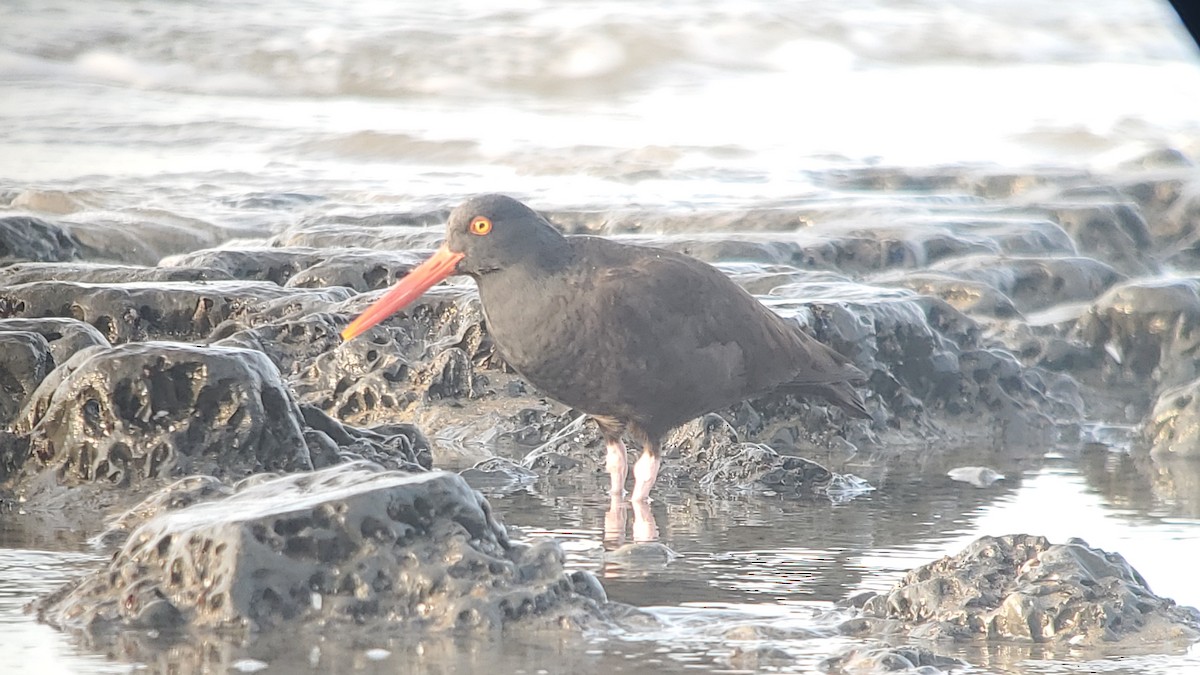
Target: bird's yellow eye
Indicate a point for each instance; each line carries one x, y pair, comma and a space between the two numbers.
481, 225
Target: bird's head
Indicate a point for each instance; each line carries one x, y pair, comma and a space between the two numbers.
484, 234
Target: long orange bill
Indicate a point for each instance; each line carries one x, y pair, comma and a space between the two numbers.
408, 289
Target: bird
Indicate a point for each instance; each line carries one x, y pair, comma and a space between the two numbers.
641, 339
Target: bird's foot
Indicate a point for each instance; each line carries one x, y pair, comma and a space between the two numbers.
645, 472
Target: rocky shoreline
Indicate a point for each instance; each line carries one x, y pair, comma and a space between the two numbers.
257, 474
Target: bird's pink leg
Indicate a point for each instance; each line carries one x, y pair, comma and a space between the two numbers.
617, 464
645, 472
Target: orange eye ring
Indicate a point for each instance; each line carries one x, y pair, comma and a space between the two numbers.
481, 225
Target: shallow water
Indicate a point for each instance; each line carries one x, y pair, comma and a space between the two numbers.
234, 119
772, 566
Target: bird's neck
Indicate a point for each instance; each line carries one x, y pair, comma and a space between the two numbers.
551, 253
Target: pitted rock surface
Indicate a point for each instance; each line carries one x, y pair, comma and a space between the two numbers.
1146, 332
102, 273
165, 310
1172, 429
65, 336
1023, 588
306, 267
882, 659
25, 360
125, 414
350, 545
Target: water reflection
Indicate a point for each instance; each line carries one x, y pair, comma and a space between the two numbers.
645, 527
755, 579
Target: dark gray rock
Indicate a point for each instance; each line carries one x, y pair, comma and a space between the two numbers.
981, 181
1145, 332
103, 273
359, 269
1172, 429
34, 239
848, 247
149, 411
143, 236
65, 336
384, 237
975, 298
1034, 283
880, 659
25, 360
259, 263
498, 474
306, 267
393, 446
163, 310
1021, 587
1112, 230
352, 545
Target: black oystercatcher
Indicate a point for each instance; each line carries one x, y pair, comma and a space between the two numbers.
641, 339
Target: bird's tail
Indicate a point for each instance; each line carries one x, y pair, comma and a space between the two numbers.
843, 394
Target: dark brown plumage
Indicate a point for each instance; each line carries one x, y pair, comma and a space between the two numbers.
641, 339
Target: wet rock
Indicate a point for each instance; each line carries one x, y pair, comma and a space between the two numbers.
641, 555
1172, 429
142, 236
147, 411
758, 468
164, 310
979, 476
306, 267
1112, 231
877, 659
293, 344
260, 263
65, 336
25, 360
393, 446
422, 367
1021, 587
975, 298
923, 356
849, 247
756, 658
183, 492
1035, 283
985, 181
102, 273
498, 473
353, 545
1145, 331
1170, 199
29, 238
360, 270
349, 232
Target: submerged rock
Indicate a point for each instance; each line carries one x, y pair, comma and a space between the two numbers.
880, 659
352, 545
1021, 587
